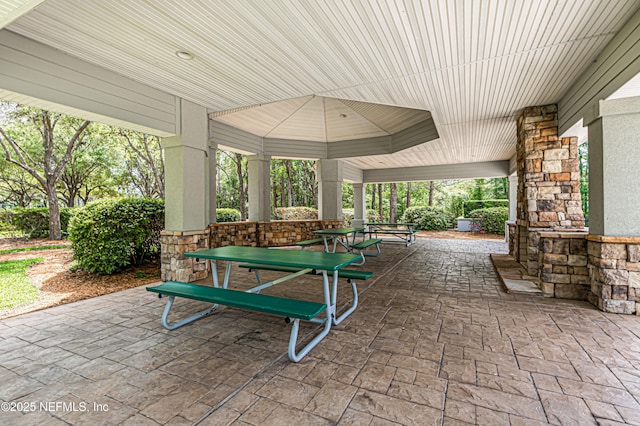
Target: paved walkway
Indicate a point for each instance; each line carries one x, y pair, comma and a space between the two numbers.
435, 340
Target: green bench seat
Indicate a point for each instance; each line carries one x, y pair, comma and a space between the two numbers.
367, 243
393, 231
291, 308
342, 273
307, 243
364, 245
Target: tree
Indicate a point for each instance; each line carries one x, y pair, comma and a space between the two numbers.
241, 188
380, 211
58, 135
90, 170
17, 187
145, 167
393, 202
408, 194
583, 157
431, 189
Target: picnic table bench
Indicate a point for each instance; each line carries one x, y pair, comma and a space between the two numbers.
405, 231
306, 243
293, 310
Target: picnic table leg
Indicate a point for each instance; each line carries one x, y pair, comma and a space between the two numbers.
165, 315
295, 357
334, 300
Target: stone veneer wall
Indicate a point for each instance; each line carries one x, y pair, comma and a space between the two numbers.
549, 182
234, 234
614, 273
174, 266
279, 233
563, 265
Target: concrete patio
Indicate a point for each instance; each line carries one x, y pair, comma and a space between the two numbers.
435, 340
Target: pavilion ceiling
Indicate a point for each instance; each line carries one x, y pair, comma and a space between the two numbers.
471, 65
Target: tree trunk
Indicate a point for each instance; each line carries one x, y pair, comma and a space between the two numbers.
380, 201
393, 202
55, 233
431, 188
282, 191
291, 201
219, 183
373, 196
408, 194
241, 189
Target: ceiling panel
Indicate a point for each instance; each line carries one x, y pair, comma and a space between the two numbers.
472, 64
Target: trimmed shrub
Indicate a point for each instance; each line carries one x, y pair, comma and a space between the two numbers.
472, 205
228, 215
295, 213
491, 219
34, 222
372, 216
110, 235
428, 218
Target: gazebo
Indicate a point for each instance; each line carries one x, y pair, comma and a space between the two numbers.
375, 92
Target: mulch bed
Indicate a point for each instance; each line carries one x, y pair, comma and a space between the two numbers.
58, 285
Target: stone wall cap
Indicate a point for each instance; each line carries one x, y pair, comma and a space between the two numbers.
614, 239
183, 233
564, 234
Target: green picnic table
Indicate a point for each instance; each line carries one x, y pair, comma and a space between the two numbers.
293, 310
407, 235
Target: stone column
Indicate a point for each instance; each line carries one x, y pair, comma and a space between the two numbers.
187, 194
359, 205
258, 170
549, 182
329, 189
614, 205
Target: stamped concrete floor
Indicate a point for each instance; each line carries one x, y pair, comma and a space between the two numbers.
435, 340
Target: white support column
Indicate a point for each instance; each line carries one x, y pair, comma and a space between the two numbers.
359, 206
614, 155
213, 189
513, 197
329, 189
258, 168
187, 171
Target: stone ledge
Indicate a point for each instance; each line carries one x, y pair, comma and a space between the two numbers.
613, 239
564, 234
514, 277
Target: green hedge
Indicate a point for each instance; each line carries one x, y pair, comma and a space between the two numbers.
228, 215
295, 213
372, 216
110, 235
34, 222
472, 205
490, 220
428, 218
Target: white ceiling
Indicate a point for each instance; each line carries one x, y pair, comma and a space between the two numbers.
316, 118
472, 64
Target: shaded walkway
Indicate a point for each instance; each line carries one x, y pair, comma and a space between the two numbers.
435, 340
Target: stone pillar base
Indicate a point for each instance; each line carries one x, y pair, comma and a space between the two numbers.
174, 266
614, 273
562, 258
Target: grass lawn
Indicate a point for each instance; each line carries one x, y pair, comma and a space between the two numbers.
15, 286
17, 250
